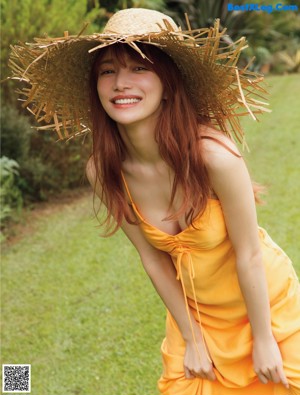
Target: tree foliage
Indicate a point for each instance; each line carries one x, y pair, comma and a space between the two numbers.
267, 32
115, 5
26, 19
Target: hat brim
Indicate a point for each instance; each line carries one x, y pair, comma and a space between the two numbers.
57, 71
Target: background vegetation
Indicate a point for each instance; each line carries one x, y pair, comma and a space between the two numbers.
273, 37
82, 311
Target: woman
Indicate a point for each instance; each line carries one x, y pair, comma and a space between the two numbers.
180, 190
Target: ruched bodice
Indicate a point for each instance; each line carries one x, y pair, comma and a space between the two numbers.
191, 252
206, 267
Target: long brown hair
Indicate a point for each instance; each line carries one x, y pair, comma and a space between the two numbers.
176, 134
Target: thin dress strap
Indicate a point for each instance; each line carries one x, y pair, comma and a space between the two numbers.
135, 209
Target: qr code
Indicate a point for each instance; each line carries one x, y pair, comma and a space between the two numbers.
16, 378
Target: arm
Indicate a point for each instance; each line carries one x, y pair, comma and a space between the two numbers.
159, 267
231, 182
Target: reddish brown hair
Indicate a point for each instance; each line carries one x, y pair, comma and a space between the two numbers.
176, 135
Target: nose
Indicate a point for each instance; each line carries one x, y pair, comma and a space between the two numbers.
122, 79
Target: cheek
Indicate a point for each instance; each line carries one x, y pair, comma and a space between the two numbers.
158, 86
101, 95
101, 92
154, 88
100, 89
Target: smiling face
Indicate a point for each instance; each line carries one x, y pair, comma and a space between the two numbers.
128, 88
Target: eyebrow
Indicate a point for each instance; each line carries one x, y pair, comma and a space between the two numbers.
106, 61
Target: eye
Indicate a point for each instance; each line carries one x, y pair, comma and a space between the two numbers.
140, 68
106, 72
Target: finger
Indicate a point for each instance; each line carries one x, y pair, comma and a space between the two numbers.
199, 375
282, 377
188, 374
262, 378
211, 376
273, 375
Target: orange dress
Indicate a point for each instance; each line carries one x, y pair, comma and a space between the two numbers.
205, 262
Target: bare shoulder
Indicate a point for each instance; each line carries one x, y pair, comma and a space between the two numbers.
218, 150
227, 170
90, 170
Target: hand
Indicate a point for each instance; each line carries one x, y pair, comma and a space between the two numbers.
197, 363
267, 362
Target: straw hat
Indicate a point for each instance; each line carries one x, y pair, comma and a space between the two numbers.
56, 71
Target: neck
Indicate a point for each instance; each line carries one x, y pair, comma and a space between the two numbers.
140, 142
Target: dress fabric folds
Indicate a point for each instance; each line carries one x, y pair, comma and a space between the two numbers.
205, 262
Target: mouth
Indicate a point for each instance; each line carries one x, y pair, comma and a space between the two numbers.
126, 100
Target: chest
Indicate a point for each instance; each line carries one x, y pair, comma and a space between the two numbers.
151, 193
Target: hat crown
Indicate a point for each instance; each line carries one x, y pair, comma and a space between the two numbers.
138, 21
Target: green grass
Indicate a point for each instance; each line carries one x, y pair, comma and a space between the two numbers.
80, 308
274, 162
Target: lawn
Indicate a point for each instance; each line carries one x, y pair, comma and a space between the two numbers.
80, 309
274, 162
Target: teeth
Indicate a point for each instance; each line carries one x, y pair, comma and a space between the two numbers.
126, 101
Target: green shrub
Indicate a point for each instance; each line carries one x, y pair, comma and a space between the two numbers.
286, 61
10, 195
53, 166
46, 166
15, 134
